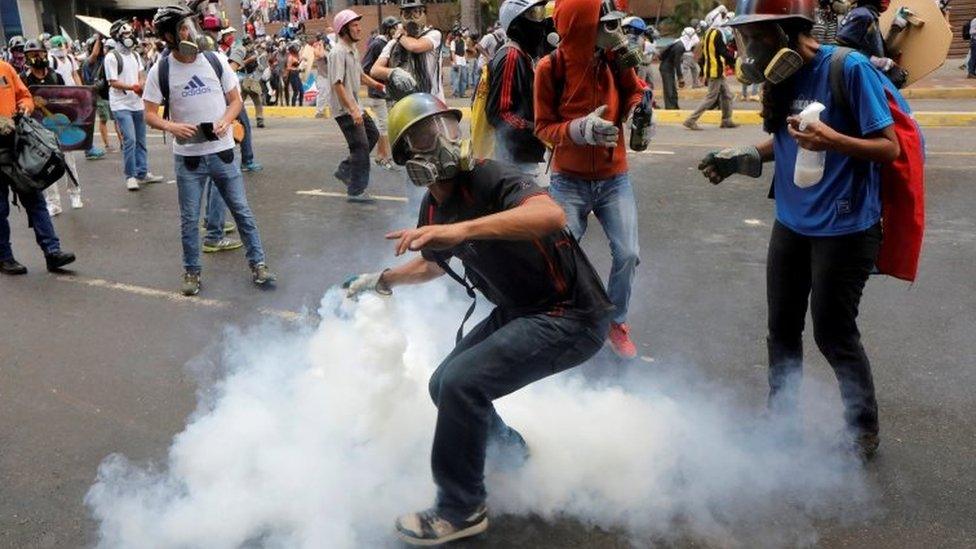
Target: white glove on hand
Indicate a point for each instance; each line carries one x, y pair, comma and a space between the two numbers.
593, 129
401, 84
883, 64
366, 282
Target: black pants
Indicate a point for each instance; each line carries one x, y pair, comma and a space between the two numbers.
830, 272
669, 85
499, 356
354, 170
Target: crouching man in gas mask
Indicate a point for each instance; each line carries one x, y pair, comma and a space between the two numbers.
551, 310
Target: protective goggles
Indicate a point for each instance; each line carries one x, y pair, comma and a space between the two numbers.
422, 137
413, 13
536, 13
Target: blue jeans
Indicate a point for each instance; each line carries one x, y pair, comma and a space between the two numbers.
132, 124
192, 174
972, 58
459, 80
612, 201
499, 356
216, 213
247, 152
37, 218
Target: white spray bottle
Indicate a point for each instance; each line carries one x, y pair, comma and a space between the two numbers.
809, 164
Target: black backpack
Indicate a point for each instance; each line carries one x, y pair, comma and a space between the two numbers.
38, 161
966, 35
98, 79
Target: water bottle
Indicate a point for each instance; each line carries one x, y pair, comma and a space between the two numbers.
809, 164
640, 133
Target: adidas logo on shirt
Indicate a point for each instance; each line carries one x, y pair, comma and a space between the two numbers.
195, 86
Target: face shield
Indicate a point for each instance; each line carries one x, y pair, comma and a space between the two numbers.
434, 149
764, 54
190, 38
610, 37
414, 20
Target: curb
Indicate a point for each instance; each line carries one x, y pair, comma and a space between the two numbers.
962, 92
927, 119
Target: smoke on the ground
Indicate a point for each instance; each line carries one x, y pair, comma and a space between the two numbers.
320, 437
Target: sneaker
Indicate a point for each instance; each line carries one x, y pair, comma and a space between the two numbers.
691, 125
430, 528
252, 166
866, 446
262, 275
319, 115
112, 150
53, 209
620, 341
94, 153
729, 125
260, 122
362, 198
191, 284
76, 203
151, 178
228, 227
341, 177
132, 184
222, 245
58, 259
12, 267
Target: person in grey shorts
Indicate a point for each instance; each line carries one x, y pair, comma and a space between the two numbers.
376, 100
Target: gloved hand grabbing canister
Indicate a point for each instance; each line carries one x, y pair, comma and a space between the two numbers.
366, 282
716, 166
593, 129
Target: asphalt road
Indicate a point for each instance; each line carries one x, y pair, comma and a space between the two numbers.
93, 362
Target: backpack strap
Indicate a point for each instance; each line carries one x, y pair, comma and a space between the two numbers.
838, 87
467, 288
118, 61
164, 84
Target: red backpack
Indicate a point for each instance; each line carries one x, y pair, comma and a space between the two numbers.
902, 183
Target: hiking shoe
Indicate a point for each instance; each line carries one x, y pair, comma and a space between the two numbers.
76, 203
191, 284
252, 166
94, 153
151, 178
691, 125
620, 341
363, 197
12, 267
262, 275
58, 259
430, 528
728, 125
132, 184
222, 245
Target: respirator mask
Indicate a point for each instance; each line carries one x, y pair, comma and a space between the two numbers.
529, 29
610, 37
192, 39
764, 54
414, 20
436, 151
37, 60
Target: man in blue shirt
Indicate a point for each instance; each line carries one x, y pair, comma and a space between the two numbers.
826, 237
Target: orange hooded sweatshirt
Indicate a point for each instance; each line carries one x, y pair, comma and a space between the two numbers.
587, 82
13, 92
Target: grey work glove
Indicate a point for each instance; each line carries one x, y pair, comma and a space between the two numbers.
401, 84
366, 282
716, 166
593, 129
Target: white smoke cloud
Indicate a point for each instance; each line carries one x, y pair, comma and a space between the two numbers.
319, 438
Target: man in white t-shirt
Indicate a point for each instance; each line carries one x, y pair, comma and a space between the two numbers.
125, 76
411, 61
197, 87
63, 63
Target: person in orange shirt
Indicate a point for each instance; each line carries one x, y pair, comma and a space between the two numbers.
16, 99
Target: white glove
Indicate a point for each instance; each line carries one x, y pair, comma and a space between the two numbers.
401, 84
366, 282
593, 129
883, 64
901, 18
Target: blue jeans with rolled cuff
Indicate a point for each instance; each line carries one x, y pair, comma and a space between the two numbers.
38, 219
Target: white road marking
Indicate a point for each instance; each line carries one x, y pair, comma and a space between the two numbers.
330, 194
753, 222
652, 151
172, 296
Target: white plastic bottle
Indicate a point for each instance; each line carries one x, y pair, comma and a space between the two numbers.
809, 164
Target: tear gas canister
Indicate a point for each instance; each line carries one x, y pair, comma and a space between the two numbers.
809, 167
640, 123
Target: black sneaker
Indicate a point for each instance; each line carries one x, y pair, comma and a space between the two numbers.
430, 528
58, 259
341, 176
12, 267
866, 445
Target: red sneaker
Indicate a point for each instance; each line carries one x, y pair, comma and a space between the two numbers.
620, 341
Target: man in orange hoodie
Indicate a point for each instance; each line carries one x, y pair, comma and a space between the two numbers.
15, 98
585, 93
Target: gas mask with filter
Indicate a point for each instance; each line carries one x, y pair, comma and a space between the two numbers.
435, 150
191, 39
126, 37
611, 38
764, 54
414, 20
